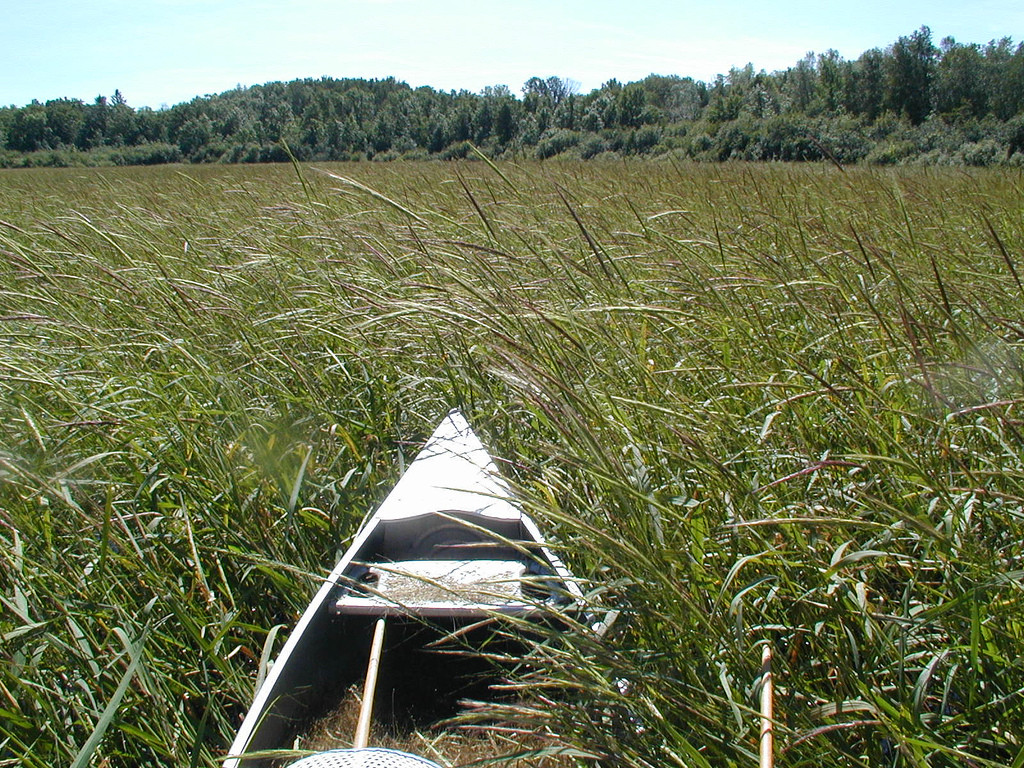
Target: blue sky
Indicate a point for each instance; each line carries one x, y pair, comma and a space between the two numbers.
161, 52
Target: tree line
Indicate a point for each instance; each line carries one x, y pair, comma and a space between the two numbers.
913, 101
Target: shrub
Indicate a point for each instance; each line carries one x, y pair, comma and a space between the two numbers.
60, 158
591, 146
153, 153
457, 151
734, 138
785, 137
845, 138
981, 153
242, 153
1013, 135
555, 143
699, 144
934, 157
891, 153
646, 138
886, 126
614, 140
273, 153
416, 153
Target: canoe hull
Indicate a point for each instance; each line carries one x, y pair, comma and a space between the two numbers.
448, 553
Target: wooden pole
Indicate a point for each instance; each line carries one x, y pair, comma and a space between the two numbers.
369, 687
767, 710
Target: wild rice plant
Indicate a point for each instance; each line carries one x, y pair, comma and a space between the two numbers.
753, 404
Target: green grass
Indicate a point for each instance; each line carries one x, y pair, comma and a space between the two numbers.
754, 404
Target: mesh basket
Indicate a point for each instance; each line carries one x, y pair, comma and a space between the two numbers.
372, 757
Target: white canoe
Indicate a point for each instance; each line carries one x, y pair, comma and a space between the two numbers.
447, 549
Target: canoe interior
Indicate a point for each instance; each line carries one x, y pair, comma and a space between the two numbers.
436, 647
421, 678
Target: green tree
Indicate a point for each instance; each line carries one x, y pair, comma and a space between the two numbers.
748, 93
760, 98
1004, 78
607, 102
505, 121
561, 88
724, 101
550, 92
1014, 136
313, 131
121, 128
93, 132
911, 71
150, 125
351, 137
275, 118
194, 135
685, 100
64, 119
483, 121
830, 80
27, 132
960, 80
567, 113
462, 124
864, 89
592, 119
800, 84
381, 133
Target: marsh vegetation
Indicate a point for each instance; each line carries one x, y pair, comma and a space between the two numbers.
752, 404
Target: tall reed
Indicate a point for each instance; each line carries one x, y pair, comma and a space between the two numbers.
754, 405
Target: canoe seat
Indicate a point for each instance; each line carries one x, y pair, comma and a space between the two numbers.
425, 587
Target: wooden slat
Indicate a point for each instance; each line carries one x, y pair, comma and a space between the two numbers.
362, 737
767, 710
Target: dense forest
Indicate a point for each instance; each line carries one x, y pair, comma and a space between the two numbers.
913, 102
